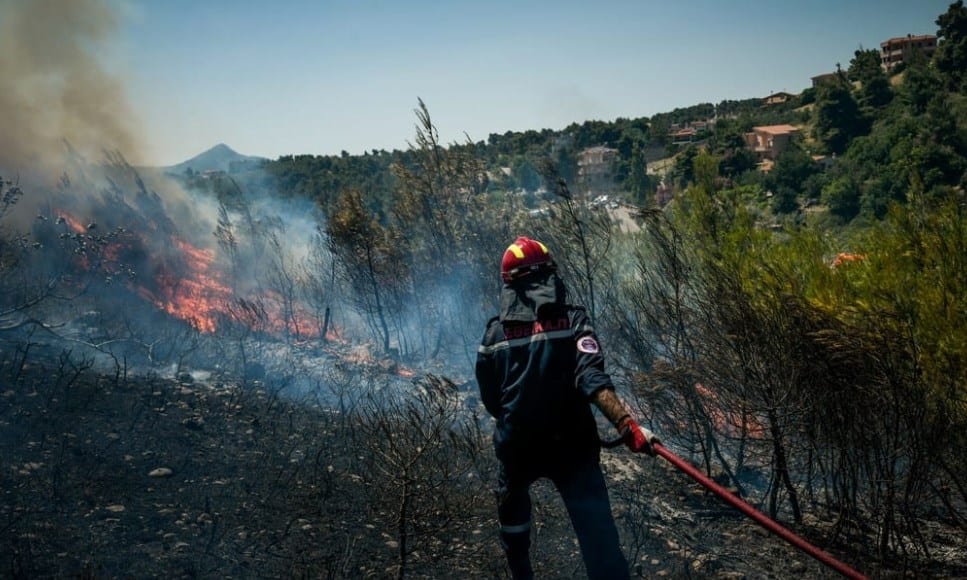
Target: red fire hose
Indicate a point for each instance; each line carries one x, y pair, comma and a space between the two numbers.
750, 511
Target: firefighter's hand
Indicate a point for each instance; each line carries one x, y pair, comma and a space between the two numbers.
636, 437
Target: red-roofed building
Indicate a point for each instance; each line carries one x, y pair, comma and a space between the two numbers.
683, 136
770, 140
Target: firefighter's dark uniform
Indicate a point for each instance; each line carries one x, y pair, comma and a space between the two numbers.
537, 367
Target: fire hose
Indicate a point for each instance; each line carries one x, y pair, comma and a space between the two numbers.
749, 511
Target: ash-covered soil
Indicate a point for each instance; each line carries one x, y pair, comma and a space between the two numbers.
103, 477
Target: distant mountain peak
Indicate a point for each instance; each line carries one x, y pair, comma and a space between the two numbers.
222, 148
218, 158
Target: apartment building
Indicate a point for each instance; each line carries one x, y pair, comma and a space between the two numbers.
595, 169
896, 50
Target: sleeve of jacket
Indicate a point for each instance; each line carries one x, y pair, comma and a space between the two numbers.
590, 375
487, 380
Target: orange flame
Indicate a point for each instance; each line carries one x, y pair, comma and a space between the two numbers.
198, 296
728, 422
72, 223
296, 322
192, 288
201, 296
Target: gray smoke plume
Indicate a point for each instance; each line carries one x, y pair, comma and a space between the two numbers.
54, 87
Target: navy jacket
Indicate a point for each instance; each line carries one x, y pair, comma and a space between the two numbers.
537, 367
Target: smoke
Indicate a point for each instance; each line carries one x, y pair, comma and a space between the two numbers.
54, 87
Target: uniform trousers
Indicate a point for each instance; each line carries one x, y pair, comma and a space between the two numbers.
581, 485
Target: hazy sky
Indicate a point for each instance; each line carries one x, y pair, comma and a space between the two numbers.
319, 77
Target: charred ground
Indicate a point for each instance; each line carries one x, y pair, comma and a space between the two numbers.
201, 476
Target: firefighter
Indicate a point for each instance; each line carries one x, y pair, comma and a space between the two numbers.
539, 369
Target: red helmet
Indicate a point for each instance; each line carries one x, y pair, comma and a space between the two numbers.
523, 257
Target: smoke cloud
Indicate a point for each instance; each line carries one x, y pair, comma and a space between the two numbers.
54, 87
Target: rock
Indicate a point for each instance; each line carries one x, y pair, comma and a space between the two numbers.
702, 561
161, 472
193, 422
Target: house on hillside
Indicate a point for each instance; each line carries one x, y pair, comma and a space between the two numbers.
770, 140
824, 78
595, 173
897, 50
702, 125
685, 133
777, 99
683, 136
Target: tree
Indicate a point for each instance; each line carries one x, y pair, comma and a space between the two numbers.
876, 93
921, 84
526, 175
364, 249
639, 183
792, 170
728, 143
865, 68
684, 169
12, 300
838, 117
422, 455
319, 281
438, 208
951, 55
579, 235
864, 65
842, 196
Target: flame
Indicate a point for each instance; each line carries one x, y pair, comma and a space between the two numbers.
335, 334
725, 421
362, 355
187, 283
72, 223
297, 322
201, 296
197, 295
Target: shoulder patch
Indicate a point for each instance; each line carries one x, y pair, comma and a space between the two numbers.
589, 345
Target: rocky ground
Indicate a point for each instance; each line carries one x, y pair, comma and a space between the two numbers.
103, 477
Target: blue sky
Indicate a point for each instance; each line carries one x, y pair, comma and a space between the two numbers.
291, 77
